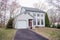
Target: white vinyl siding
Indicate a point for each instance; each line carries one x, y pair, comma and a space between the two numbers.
34, 14
34, 22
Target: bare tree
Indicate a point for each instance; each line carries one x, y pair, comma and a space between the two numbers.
13, 7
56, 5
53, 9
3, 6
41, 5
0, 19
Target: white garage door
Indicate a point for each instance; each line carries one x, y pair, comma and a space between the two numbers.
21, 24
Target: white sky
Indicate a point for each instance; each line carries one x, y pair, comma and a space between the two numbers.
27, 3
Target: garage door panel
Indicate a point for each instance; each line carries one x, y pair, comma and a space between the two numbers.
21, 24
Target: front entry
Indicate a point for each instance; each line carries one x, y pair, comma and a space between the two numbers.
30, 23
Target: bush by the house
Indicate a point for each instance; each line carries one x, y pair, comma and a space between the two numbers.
53, 26
58, 26
10, 23
47, 24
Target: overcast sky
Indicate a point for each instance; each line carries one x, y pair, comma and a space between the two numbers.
28, 3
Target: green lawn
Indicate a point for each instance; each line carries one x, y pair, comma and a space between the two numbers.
50, 33
7, 34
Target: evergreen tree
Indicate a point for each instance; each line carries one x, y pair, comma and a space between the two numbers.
47, 24
10, 23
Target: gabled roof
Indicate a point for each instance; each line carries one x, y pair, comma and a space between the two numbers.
33, 9
30, 9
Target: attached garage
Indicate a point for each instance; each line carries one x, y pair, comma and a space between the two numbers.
21, 24
22, 21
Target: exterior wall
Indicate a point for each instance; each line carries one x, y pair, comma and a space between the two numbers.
33, 16
38, 17
23, 17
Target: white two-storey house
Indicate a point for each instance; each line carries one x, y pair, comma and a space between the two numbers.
29, 18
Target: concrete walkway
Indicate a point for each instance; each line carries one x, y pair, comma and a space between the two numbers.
26, 34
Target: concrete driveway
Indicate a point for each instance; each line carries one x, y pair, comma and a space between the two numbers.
26, 34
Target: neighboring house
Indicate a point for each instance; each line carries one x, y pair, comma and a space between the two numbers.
29, 17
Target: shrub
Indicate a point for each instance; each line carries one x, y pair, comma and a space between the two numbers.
58, 26
53, 26
10, 23
47, 24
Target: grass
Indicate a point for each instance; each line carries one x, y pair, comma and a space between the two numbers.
7, 34
50, 33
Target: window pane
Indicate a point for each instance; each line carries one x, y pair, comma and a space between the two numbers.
38, 15
38, 21
41, 15
41, 21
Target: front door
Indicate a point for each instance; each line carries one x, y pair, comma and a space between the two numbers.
30, 23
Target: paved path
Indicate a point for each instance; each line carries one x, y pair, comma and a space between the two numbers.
26, 34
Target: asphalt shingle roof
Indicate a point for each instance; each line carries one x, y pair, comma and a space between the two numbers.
33, 9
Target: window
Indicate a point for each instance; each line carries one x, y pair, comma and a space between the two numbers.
41, 15
34, 22
38, 21
38, 15
41, 21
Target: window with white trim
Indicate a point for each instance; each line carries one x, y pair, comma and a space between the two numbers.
38, 21
41, 21
41, 15
38, 15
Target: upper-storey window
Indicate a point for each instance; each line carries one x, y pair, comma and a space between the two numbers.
38, 15
41, 15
